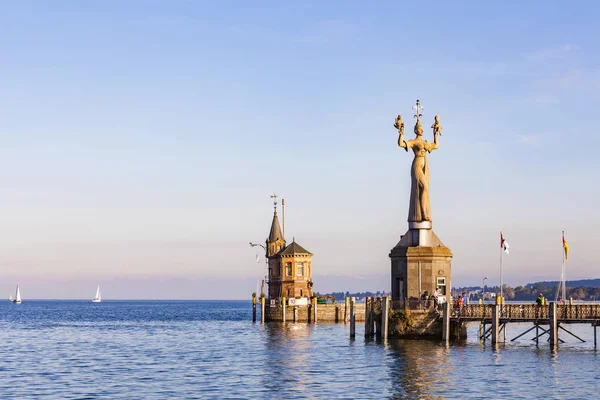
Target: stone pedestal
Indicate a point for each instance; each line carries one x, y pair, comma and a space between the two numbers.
420, 263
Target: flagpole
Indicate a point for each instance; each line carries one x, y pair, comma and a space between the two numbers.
501, 269
564, 281
564, 271
558, 288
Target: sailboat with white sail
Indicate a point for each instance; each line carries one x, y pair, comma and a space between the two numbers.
10, 298
98, 297
17, 299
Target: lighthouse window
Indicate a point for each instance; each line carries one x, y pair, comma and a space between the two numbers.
300, 269
288, 269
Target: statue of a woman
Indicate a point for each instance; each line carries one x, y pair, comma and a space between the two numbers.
419, 192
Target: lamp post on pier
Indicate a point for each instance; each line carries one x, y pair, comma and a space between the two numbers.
266, 261
483, 289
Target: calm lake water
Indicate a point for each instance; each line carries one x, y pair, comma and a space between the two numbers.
211, 349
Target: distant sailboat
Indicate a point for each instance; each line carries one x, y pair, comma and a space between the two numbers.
17, 299
98, 297
10, 298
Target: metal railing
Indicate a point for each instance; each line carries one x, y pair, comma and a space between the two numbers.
528, 311
472, 311
414, 305
578, 311
509, 311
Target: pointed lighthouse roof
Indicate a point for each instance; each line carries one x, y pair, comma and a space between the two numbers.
275, 233
294, 248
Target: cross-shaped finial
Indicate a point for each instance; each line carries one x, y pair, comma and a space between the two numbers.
274, 197
418, 109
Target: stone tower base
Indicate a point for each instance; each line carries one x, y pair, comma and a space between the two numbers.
420, 263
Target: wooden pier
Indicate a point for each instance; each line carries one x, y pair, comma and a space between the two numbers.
548, 319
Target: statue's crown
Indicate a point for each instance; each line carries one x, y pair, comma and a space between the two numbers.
418, 128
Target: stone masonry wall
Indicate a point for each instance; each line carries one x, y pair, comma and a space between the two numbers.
407, 323
325, 313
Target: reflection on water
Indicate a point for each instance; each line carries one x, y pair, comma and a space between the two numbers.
418, 367
287, 353
158, 350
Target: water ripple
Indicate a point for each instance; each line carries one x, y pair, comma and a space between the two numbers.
193, 350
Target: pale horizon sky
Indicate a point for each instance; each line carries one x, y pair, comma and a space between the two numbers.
140, 140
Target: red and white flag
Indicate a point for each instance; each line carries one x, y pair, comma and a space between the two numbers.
503, 244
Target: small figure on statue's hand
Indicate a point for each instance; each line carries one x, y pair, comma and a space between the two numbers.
399, 124
437, 128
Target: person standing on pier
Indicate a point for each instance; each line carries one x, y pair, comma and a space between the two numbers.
540, 300
459, 302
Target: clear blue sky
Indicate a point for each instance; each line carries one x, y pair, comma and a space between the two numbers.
140, 140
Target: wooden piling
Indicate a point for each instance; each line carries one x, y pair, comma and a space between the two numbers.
254, 307
385, 307
496, 323
446, 322
484, 330
377, 322
367, 315
262, 309
481, 323
352, 319
346, 310
283, 301
315, 309
595, 340
552, 316
296, 314
372, 316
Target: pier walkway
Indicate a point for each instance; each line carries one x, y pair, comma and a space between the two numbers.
498, 315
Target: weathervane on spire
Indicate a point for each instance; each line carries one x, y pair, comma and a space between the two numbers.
274, 197
418, 109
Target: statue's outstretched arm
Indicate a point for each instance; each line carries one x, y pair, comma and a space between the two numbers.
402, 143
435, 145
437, 131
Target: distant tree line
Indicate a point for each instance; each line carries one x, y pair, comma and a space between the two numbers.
343, 295
531, 292
581, 283
587, 289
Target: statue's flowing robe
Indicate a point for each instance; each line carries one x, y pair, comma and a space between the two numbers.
419, 191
